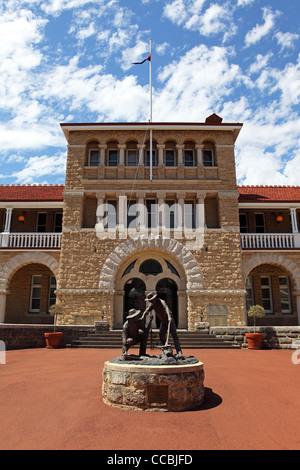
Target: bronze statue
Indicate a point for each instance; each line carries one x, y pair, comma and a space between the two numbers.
134, 332
167, 325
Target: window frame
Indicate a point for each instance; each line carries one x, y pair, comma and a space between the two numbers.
257, 225
90, 164
184, 157
113, 163
246, 219
289, 310
35, 285
269, 288
128, 163
167, 161
39, 225
147, 162
211, 162
250, 293
52, 287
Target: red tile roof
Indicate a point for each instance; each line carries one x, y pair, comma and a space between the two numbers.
31, 193
269, 193
55, 193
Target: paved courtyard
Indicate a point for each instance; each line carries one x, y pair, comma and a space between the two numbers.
51, 399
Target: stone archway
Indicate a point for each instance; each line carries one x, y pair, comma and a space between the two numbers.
171, 246
278, 260
14, 264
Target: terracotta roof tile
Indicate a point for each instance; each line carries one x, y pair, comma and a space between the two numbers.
31, 192
269, 193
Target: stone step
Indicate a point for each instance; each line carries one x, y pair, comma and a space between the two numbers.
188, 340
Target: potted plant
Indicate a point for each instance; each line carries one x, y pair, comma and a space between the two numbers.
53, 340
255, 339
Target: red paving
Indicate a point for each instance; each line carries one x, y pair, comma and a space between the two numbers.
51, 399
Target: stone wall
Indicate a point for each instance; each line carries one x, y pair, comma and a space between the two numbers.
32, 336
275, 337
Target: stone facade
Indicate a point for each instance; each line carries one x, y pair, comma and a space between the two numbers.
90, 280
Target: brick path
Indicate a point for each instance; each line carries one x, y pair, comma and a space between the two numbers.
51, 399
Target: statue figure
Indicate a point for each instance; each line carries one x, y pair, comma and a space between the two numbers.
167, 324
134, 332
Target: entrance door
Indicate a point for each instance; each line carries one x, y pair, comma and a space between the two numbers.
134, 296
167, 290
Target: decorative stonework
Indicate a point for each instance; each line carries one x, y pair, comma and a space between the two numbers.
278, 260
173, 247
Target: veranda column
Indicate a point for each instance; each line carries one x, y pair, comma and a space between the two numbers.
142, 212
179, 148
102, 154
122, 154
122, 215
100, 211
295, 228
178, 233
7, 226
160, 148
141, 149
161, 211
2, 306
199, 149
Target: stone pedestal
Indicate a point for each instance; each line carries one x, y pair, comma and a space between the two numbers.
102, 326
153, 387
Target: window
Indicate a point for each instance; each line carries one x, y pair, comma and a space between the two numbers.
111, 214
151, 213
150, 266
169, 214
189, 158
208, 158
249, 295
52, 288
170, 158
35, 297
93, 158
131, 215
58, 222
153, 158
285, 297
189, 215
260, 223
112, 158
132, 158
266, 292
243, 223
41, 222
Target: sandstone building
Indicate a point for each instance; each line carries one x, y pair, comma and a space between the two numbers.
121, 227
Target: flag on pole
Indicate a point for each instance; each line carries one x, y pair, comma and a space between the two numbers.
139, 63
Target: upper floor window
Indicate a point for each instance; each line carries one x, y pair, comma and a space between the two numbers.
112, 157
154, 162
189, 158
132, 154
58, 222
93, 158
243, 223
41, 222
189, 154
170, 159
208, 154
260, 222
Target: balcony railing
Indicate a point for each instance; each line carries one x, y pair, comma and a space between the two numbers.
269, 241
30, 240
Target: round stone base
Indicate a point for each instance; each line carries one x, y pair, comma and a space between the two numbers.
153, 388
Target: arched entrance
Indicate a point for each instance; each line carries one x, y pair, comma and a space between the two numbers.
134, 296
146, 273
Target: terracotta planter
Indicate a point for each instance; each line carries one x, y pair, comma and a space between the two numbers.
254, 340
53, 340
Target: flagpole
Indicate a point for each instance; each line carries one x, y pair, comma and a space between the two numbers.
151, 146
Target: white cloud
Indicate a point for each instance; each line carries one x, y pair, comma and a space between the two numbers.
176, 11
286, 40
259, 31
242, 3
260, 62
37, 167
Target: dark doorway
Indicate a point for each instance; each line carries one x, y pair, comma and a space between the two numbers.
167, 290
134, 296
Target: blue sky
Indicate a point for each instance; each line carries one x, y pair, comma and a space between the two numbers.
71, 61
